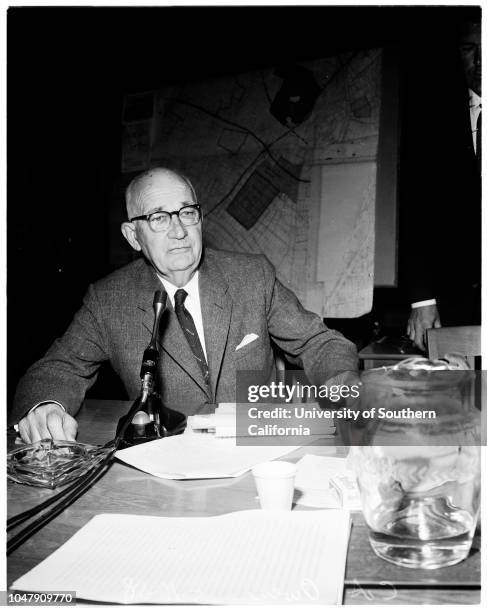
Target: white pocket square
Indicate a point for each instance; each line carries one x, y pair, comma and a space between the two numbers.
247, 340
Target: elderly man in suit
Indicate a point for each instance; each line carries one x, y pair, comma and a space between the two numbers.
224, 311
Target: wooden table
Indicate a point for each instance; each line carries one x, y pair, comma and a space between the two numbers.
369, 580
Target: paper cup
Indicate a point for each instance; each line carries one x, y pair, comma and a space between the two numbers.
275, 484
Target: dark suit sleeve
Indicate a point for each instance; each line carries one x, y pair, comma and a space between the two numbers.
302, 335
69, 367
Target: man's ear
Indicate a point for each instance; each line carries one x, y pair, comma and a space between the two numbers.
128, 230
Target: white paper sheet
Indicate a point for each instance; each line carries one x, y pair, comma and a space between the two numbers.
326, 482
192, 456
244, 557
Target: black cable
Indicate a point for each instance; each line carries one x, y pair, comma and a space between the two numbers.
64, 498
13, 521
33, 527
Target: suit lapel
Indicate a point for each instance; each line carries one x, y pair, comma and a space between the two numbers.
171, 336
216, 309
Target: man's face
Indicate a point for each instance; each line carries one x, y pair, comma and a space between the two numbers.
471, 56
176, 252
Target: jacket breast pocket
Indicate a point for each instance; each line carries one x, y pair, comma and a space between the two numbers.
252, 356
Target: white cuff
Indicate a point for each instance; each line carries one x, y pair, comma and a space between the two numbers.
16, 427
423, 303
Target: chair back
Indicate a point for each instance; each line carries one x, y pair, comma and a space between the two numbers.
463, 339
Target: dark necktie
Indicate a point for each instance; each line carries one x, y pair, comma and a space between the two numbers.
189, 329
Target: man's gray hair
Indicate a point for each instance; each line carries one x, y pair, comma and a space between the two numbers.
139, 180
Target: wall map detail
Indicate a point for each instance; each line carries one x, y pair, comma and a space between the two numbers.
261, 184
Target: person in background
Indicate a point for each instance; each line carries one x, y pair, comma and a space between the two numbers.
444, 200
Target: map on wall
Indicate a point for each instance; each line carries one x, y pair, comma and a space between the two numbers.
301, 192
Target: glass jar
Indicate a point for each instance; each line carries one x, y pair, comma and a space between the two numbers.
418, 466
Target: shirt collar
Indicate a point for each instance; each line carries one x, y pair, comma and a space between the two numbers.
191, 286
475, 99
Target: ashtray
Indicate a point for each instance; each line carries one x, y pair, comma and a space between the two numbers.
52, 463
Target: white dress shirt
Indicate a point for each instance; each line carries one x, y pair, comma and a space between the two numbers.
475, 108
192, 304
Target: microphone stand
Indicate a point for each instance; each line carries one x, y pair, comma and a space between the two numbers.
146, 420
149, 419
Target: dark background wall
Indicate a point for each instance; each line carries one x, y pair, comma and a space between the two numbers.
68, 69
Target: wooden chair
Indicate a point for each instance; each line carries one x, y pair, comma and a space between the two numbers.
464, 339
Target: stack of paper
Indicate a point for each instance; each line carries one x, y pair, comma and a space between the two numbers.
192, 456
223, 422
326, 482
221, 425
250, 557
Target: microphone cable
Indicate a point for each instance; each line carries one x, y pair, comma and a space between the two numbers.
67, 496
57, 503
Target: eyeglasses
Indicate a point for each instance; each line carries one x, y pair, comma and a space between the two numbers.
160, 220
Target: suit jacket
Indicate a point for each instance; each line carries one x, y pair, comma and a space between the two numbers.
440, 229
239, 295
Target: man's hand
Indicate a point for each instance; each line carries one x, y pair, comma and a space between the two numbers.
47, 421
421, 319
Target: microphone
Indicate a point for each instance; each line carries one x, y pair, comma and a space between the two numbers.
150, 358
148, 419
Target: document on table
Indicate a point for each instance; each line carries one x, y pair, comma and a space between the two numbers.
221, 425
223, 422
191, 456
249, 557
